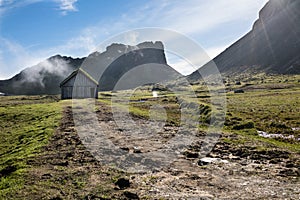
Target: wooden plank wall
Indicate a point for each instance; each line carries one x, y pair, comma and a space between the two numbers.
83, 87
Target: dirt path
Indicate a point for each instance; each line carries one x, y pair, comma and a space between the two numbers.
66, 170
248, 174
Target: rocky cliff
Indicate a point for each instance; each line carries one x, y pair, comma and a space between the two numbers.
132, 65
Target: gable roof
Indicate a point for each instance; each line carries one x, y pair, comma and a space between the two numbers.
74, 73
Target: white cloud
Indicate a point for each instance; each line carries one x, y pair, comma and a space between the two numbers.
191, 17
55, 66
182, 66
5, 2
81, 45
194, 16
10, 4
216, 50
15, 57
67, 6
185, 67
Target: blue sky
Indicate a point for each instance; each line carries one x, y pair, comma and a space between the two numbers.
33, 30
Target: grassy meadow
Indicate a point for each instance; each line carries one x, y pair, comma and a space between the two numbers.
268, 103
26, 123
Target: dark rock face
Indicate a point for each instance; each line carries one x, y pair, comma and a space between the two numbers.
43, 78
133, 65
273, 44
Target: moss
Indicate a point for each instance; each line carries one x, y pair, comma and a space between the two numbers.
245, 125
25, 128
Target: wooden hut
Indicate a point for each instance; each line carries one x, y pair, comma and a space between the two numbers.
79, 85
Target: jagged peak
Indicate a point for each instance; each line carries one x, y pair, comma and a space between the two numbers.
58, 56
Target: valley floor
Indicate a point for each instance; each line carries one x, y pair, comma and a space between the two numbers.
66, 170
59, 166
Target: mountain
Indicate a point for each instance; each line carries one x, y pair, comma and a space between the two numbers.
125, 67
272, 46
113, 64
43, 78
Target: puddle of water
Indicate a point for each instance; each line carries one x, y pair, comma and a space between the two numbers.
207, 160
267, 135
154, 93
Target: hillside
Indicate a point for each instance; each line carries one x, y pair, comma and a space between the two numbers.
272, 46
43, 78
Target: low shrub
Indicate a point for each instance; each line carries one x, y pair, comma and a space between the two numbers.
246, 125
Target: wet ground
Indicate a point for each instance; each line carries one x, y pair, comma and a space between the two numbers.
66, 170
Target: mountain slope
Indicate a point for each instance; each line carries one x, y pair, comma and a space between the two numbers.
43, 78
272, 46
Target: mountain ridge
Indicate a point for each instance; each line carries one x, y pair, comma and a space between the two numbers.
272, 46
46, 76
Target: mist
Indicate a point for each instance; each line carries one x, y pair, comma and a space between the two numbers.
38, 73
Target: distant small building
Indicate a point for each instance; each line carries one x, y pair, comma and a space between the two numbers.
85, 86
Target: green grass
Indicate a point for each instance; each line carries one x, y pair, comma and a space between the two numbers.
270, 103
270, 111
25, 126
271, 106
141, 102
250, 137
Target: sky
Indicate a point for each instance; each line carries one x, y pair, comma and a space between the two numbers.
33, 30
